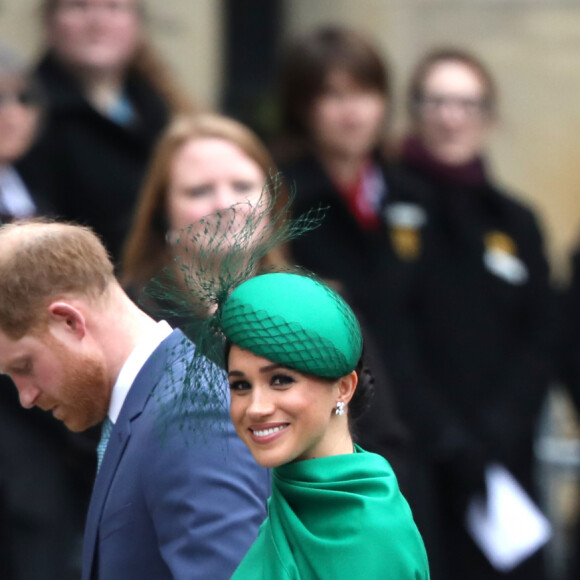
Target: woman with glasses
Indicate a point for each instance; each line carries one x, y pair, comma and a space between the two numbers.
474, 349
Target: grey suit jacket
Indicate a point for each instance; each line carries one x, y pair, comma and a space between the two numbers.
171, 503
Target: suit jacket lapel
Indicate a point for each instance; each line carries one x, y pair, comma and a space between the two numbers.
137, 398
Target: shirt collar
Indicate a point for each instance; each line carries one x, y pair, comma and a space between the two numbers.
14, 196
137, 359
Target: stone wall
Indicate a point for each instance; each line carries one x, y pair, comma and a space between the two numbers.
188, 33
532, 46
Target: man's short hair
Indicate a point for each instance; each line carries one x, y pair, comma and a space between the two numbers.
41, 261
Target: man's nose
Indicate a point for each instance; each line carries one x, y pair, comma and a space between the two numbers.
28, 393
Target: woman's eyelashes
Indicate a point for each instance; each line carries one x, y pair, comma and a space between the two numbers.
244, 186
199, 191
240, 385
208, 189
277, 380
281, 380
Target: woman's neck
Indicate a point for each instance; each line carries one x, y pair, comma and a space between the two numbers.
339, 443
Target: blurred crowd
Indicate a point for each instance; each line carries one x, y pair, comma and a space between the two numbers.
447, 271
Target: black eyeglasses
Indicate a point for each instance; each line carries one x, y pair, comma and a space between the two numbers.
470, 106
24, 97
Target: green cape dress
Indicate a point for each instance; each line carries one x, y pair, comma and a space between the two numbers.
337, 517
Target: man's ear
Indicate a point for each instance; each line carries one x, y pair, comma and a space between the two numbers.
347, 387
67, 319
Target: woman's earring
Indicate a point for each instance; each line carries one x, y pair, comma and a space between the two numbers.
170, 237
339, 408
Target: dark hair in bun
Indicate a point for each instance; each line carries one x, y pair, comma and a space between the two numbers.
363, 394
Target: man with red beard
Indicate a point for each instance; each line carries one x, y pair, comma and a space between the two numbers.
75, 345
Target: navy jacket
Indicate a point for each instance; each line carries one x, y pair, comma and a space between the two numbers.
171, 503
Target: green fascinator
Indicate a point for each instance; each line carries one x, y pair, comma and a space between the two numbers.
294, 320
213, 261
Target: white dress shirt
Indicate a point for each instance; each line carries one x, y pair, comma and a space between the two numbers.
134, 364
15, 199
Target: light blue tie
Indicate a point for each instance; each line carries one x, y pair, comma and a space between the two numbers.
105, 436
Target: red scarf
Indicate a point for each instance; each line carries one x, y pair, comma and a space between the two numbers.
361, 197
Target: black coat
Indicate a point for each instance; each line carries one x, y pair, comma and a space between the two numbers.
471, 354
569, 360
46, 476
341, 251
89, 168
480, 315
569, 369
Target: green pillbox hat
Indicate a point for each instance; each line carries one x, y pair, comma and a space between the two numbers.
295, 321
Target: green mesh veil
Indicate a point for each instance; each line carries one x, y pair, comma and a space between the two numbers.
212, 258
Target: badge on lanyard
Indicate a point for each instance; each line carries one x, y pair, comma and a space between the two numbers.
404, 222
501, 258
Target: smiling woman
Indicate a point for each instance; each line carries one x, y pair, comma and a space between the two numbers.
475, 334
297, 384
283, 415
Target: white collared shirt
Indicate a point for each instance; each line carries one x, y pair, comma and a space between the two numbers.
15, 197
134, 364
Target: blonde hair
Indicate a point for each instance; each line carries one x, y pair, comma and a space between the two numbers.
42, 260
146, 63
146, 251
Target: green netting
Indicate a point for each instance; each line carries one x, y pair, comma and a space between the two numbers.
296, 321
212, 258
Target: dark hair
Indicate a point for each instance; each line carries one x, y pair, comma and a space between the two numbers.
363, 394
309, 59
450, 54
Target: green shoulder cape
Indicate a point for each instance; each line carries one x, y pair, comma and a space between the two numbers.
338, 517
